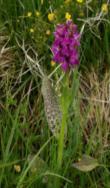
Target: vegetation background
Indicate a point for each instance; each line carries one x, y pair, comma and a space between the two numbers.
28, 151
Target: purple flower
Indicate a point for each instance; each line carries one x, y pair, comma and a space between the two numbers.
65, 45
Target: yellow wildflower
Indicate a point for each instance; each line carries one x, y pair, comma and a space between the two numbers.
17, 168
81, 13
29, 14
51, 16
48, 32
67, 16
79, 1
31, 30
37, 13
52, 63
67, 1
104, 8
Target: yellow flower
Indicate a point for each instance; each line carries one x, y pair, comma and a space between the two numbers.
51, 16
81, 13
79, 1
48, 32
37, 13
52, 63
31, 30
29, 14
68, 16
17, 168
67, 1
104, 8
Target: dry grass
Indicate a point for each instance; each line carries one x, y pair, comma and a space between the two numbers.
95, 108
6, 57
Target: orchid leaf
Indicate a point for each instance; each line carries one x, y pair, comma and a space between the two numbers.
86, 164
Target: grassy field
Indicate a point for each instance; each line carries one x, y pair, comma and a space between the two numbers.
36, 151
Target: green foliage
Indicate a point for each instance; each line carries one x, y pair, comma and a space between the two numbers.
28, 151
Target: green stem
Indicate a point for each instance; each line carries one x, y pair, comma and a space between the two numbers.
61, 140
63, 123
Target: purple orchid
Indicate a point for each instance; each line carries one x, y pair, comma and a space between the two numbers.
65, 45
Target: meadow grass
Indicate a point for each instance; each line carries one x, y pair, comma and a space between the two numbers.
30, 155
